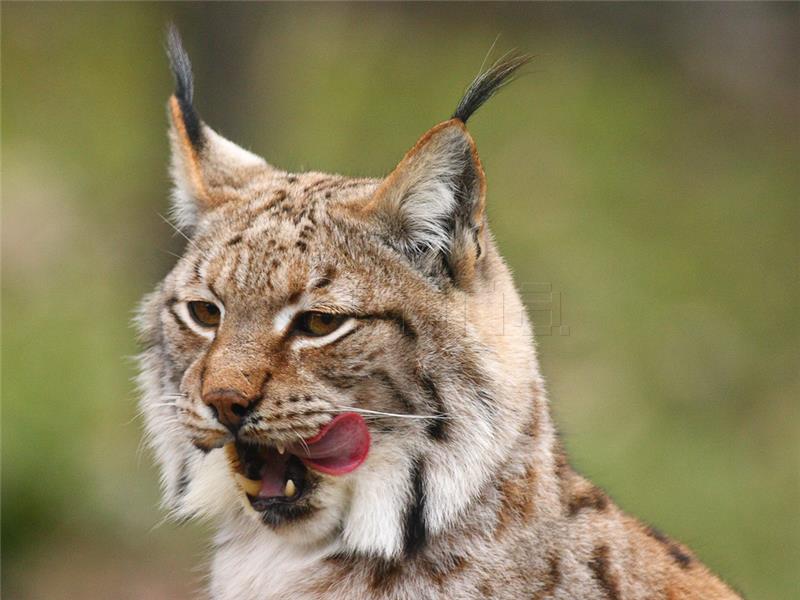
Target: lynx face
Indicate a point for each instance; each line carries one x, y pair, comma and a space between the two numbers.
327, 360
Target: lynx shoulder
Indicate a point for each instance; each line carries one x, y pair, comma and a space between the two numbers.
325, 377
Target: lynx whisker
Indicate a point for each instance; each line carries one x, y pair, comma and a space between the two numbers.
302, 441
177, 230
163, 404
378, 413
178, 256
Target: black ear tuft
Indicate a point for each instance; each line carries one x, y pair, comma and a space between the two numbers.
184, 85
180, 64
487, 83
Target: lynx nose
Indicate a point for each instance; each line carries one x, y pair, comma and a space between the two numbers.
230, 407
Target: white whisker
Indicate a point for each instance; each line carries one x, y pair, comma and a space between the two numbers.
176, 229
387, 414
302, 441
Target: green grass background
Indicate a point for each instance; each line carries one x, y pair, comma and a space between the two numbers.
646, 168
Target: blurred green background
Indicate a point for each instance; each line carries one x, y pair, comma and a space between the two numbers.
646, 169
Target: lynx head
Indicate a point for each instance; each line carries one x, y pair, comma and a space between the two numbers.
332, 360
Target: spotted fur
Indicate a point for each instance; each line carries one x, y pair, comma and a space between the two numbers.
466, 493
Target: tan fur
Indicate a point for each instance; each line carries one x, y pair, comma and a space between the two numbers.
473, 500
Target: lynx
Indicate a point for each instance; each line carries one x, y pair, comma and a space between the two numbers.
327, 377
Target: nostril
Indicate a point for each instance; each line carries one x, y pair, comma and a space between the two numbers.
229, 406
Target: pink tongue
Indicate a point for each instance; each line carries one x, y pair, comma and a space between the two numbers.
339, 448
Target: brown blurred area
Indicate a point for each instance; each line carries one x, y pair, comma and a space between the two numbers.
643, 184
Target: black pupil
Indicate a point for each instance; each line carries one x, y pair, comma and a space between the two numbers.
205, 313
326, 319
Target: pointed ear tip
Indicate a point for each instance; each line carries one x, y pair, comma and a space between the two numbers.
456, 128
455, 131
450, 129
185, 121
451, 124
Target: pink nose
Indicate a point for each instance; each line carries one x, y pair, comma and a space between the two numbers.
229, 406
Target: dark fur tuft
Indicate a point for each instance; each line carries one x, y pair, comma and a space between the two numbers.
184, 84
487, 83
416, 531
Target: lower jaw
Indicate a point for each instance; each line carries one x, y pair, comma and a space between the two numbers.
275, 511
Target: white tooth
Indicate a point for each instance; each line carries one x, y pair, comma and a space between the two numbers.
281, 448
290, 489
251, 486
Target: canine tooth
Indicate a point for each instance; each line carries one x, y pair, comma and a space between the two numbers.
251, 486
281, 448
290, 489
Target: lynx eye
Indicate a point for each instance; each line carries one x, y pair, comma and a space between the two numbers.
317, 324
204, 314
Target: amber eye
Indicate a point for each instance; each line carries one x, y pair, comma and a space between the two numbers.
205, 314
318, 324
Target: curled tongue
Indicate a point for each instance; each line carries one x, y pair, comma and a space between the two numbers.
339, 448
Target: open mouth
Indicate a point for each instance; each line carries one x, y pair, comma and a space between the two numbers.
278, 479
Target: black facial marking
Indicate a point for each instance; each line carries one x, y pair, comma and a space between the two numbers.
279, 514
487, 400
278, 197
320, 184
415, 531
322, 282
397, 393
234, 240
383, 575
183, 479
213, 290
398, 319
435, 427
600, 566
593, 498
202, 377
683, 559
196, 268
679, 556
178, 321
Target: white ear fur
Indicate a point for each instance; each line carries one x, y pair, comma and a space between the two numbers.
424, 198
183, 206
203, 168
434, 195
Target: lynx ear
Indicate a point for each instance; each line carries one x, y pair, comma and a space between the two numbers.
431, 206
433, 203
206, 168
